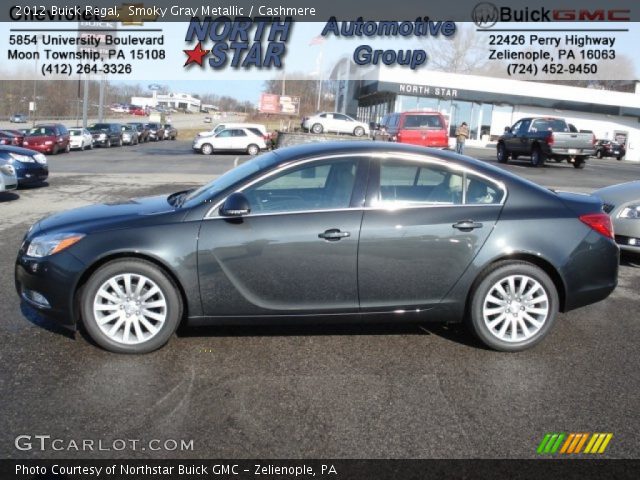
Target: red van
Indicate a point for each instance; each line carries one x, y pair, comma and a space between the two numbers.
427, 129
53, 138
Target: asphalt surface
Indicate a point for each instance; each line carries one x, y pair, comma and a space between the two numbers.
389, 391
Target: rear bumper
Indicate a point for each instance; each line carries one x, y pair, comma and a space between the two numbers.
591, 274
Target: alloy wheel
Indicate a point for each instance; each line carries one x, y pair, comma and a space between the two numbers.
130, 308
515, 308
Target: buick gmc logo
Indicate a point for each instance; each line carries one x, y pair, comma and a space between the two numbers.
486, 15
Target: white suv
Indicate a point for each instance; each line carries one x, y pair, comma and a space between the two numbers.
221, 126
238, 139
335, 122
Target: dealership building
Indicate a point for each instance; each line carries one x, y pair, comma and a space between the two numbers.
487, 104
179, 101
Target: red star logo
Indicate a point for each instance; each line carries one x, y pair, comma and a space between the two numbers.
195, 55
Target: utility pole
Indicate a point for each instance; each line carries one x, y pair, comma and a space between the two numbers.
101, 101
85, 102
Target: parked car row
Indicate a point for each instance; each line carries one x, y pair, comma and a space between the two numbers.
608, 148
56, 138
20, 167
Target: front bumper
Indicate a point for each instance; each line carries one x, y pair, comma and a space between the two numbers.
41, 148
30, 173
54, 278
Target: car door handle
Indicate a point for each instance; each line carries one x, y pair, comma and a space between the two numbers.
467, 225
333, 234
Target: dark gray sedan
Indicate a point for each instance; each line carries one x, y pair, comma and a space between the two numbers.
327, 232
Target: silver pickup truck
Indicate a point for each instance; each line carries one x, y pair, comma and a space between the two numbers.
542, 138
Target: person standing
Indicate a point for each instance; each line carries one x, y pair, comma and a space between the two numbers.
462, 133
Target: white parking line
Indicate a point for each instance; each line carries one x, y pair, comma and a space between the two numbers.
235, 161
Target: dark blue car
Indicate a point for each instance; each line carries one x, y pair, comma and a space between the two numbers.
31, 166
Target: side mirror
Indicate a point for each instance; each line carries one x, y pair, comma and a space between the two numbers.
507, 129
236, 205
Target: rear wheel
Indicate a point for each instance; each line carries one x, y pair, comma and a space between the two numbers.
130, 306
253, 149
579, 163
67, 149
599, 154
108, 144
537, 157
207, 149
502, 154
317, 128
54, 150
618, 158
513, 306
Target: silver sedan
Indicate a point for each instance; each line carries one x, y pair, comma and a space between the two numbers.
622, 203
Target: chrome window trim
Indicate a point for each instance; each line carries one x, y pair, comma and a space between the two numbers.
212, 213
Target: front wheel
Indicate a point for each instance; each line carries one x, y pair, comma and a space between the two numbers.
108, 144
618, 158
207, 149
317, 128
253, 149
513, 307
130, 306
501, 154
358, 131
599, 154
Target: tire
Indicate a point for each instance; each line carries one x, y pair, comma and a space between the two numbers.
317, 128
165, 315
253, 149
108, 144
538, 157
486, 314
358, 131
514, 156
618, 158
206, 149
120, 142
67, 149
501, 153
599, 154
54, 150
579, 163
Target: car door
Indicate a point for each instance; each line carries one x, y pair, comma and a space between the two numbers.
522, 140
343, 124
296, 252
223, 140
511, 137
424, 224
238, 139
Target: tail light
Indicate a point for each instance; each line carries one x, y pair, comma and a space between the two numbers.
600, 222
550, 139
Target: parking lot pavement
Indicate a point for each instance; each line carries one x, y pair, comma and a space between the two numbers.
341, 391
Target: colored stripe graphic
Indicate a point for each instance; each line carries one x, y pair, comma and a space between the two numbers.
573, 443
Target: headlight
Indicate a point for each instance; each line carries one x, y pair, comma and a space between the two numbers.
103, 136
632, 211
21, 158
40, 158
46, 245
8, 170
48, 142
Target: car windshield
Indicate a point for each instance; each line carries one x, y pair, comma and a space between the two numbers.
229, 179
100, 126
48, 131
75, 131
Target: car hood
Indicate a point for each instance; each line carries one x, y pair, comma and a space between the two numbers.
104, 216
621, 193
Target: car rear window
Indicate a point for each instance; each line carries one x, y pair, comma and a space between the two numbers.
75, 131
423, 121
549, 124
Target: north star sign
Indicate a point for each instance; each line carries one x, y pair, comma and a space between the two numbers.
427, 90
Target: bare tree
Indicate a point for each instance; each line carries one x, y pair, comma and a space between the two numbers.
465, 52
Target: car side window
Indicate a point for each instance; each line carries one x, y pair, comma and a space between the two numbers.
481, 191
516, 127
224, 133
321, 186
524, 126
405, 183
238, 133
